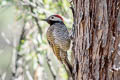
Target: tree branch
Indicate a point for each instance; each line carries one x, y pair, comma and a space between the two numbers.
17, 67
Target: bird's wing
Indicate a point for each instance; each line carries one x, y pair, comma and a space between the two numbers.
61, 37
56, 49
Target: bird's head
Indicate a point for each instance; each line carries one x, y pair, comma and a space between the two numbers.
53, 19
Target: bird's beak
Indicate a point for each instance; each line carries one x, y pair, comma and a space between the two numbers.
46, 20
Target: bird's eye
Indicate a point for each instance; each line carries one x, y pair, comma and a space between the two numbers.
52, 17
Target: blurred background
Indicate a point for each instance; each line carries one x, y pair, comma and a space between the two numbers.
24, 51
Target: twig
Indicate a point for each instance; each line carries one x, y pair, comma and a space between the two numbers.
33, 5
50, 67
28, 74
36, 19
73, 26
3, 76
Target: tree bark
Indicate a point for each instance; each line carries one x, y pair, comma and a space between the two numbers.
96, 39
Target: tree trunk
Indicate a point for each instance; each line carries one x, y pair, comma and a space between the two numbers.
96, 39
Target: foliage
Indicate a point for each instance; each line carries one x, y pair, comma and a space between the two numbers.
32, 48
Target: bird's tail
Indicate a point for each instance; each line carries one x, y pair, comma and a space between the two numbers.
66, 62
68, 65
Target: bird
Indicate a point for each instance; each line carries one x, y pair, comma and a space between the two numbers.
58, 38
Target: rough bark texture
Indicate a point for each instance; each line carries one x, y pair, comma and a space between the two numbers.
96, 39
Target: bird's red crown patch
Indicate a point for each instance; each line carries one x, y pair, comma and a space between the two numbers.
59, 17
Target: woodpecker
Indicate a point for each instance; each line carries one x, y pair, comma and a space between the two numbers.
58, 38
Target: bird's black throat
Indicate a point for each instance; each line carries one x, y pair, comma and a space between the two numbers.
53, 22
